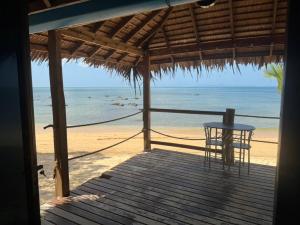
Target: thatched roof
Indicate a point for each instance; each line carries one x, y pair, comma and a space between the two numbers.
186, 36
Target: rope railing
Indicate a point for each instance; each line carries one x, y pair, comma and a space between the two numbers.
259, 117
98, 123
266, 142
202, 139
108, 147
181, 138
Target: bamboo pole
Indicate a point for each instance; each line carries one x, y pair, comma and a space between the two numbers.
61, 171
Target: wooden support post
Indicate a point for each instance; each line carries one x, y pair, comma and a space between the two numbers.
144, 70
228, 119
59, 115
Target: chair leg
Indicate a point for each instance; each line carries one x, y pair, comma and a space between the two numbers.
240, 161
223, 158
205, 155
248, 161
209, 154
228, 163
207, 147
215, 152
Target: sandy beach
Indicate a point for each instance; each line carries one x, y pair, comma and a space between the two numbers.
88, 139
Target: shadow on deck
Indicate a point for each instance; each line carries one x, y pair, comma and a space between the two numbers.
168, 187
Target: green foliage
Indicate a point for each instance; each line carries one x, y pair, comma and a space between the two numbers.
275, 71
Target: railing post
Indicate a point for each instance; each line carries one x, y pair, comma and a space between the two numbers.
145, 71
59, 115
228, 119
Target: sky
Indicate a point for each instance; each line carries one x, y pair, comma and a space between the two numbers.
78, 74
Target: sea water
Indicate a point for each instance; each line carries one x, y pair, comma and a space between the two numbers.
88, 105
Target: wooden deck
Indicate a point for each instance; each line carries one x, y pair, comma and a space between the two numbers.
167, 187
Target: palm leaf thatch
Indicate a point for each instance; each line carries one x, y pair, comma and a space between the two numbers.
186, 37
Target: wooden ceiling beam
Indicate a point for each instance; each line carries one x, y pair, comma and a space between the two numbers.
195, 27
165, 37
120, 26
148, 39
91, 38
167, 42
39, 47
232, 27
137, 29
275, 3
274, 16
67, 54
77, 48
219, 56
114, 32
156, 29
231, 19
47, 3
227, 44
194, 22
96, 27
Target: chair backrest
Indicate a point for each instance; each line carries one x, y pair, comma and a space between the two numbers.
246, 138
211, 134
250, 134
207, 131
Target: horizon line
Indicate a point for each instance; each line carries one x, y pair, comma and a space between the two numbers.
162, 87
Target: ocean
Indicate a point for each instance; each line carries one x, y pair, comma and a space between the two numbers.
88, 105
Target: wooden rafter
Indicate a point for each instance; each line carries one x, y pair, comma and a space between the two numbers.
226, 44
195, 27
273, 24
94, 52
114, 32
137, 29
231, 19
194, 22
47, 3
77, 48
67, 53
167, 42
97, 26
91, 38
155, 30
232, 27
274, 15
148, 38
218, 56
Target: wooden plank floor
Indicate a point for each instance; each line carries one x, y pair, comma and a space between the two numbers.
167, 187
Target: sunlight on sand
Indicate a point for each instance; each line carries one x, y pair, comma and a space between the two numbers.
92, 138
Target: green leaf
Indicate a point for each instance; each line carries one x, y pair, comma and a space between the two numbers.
275, 71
